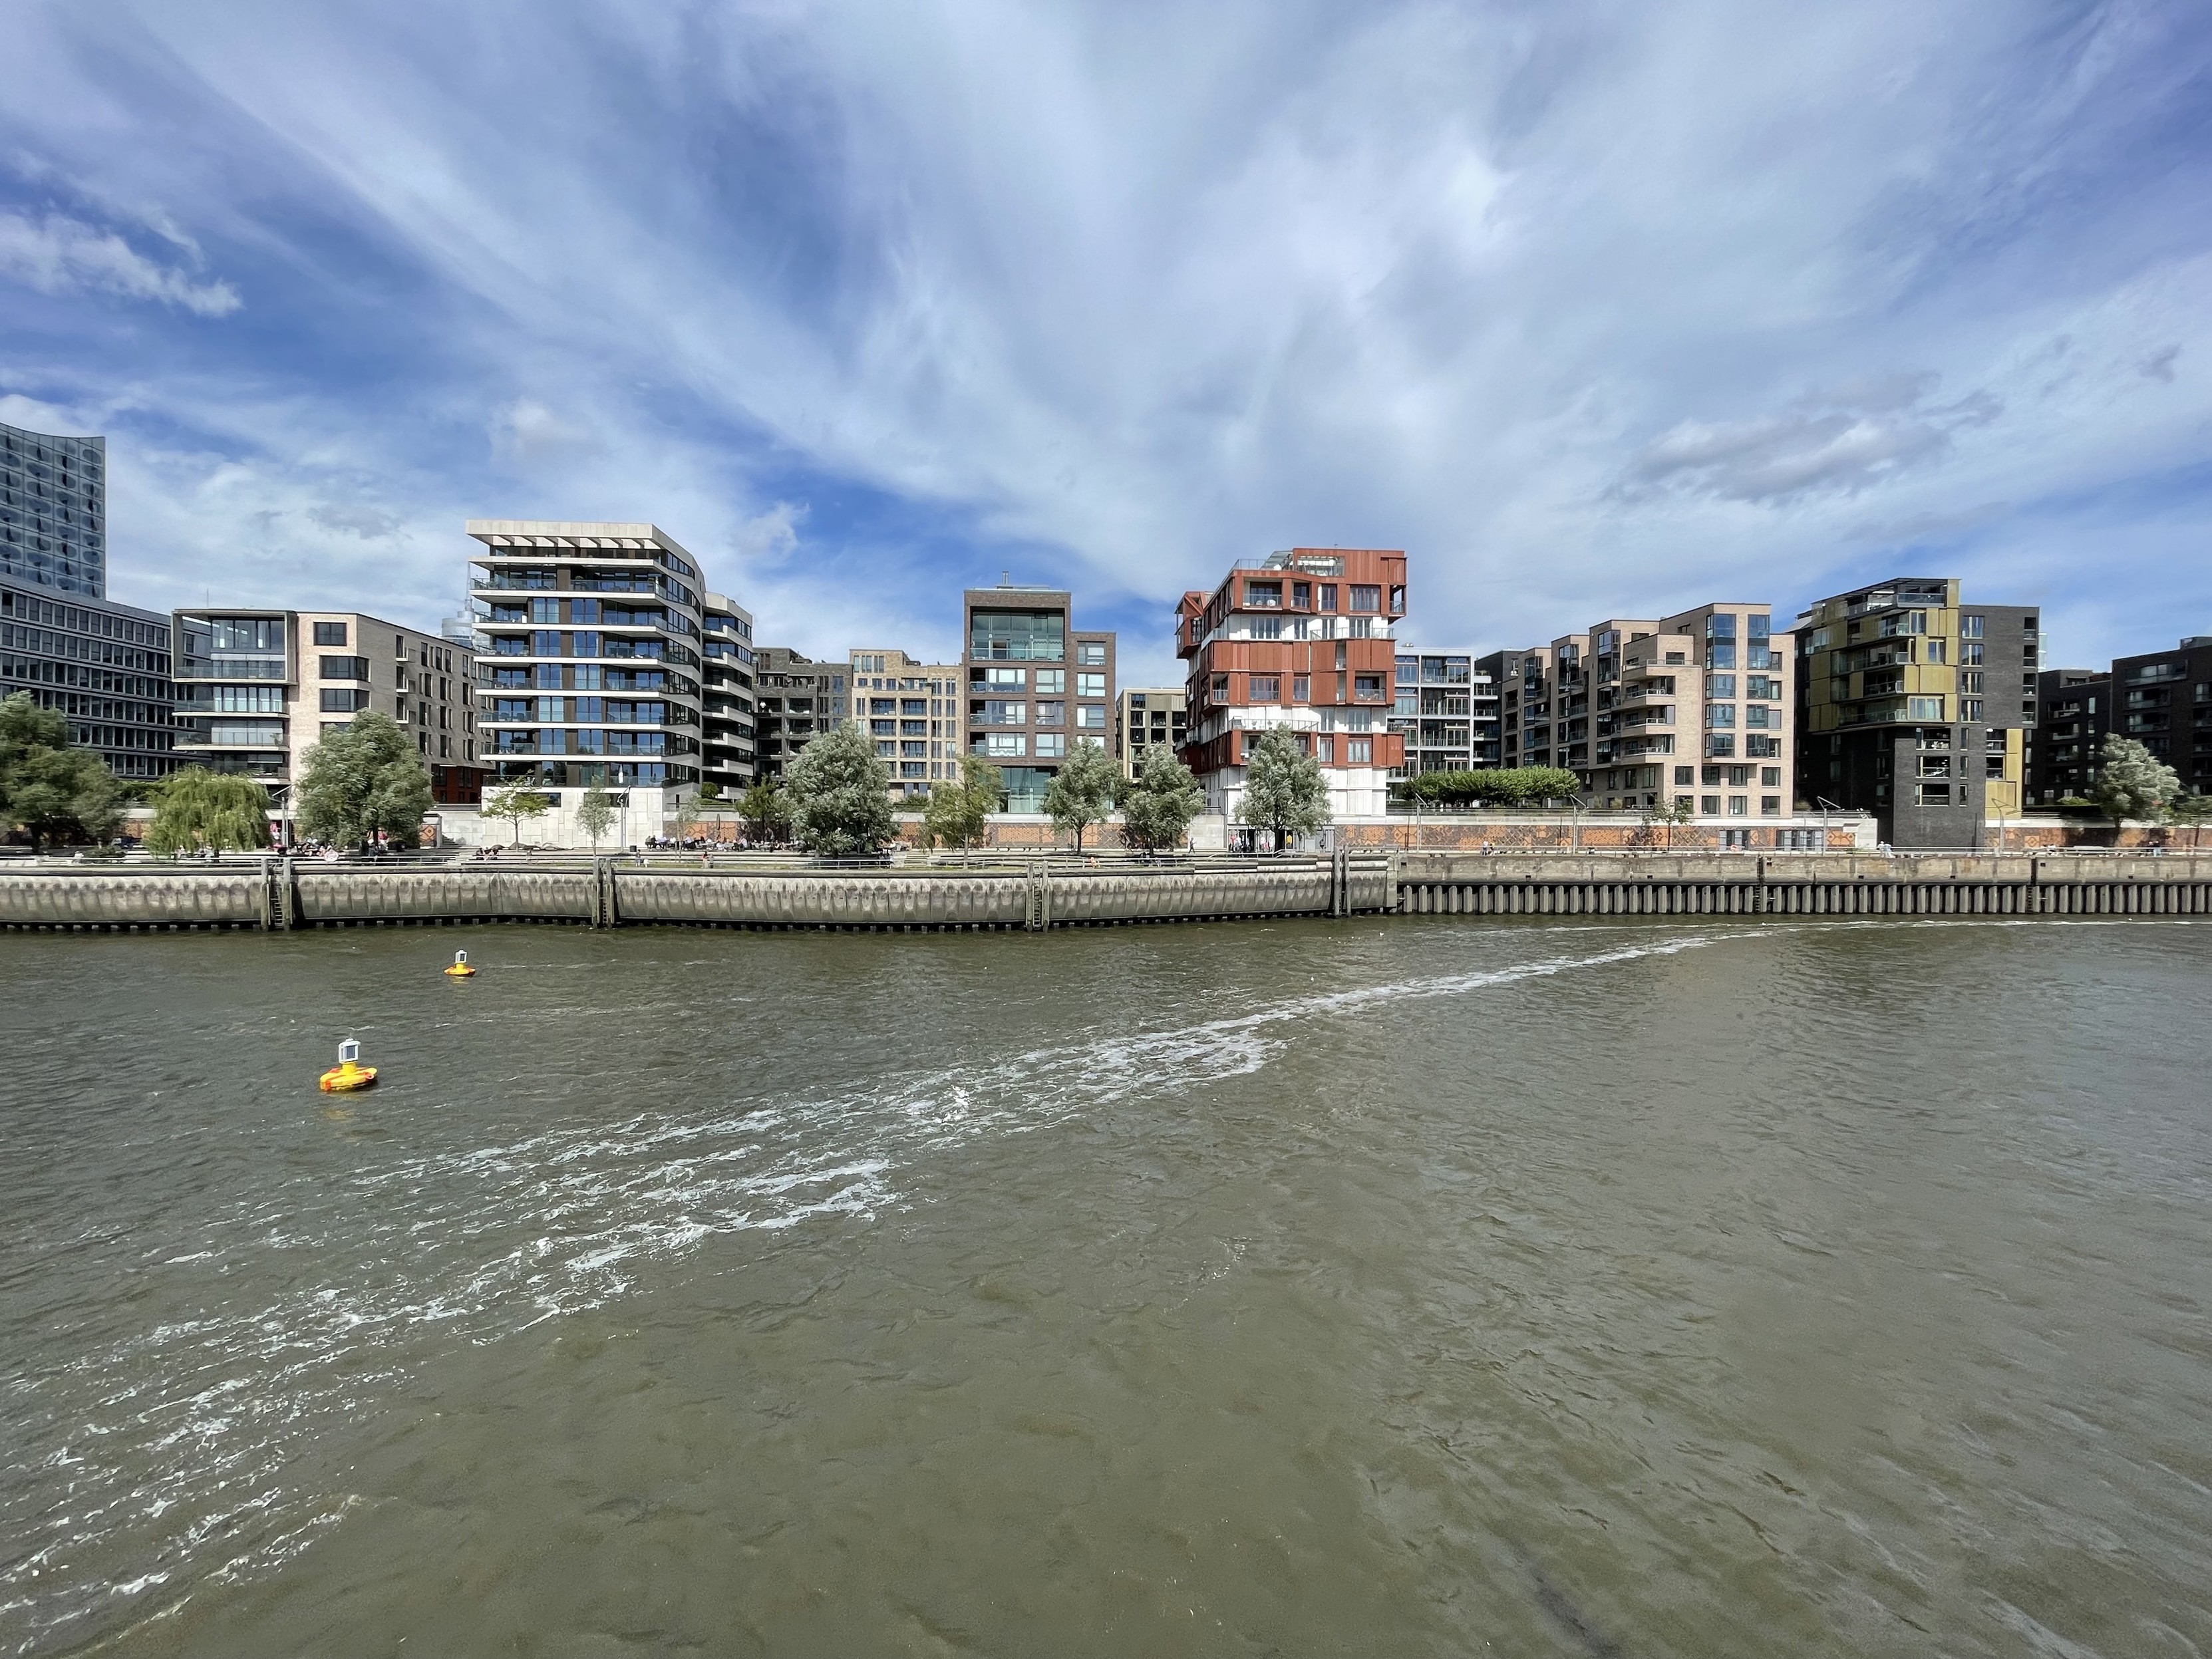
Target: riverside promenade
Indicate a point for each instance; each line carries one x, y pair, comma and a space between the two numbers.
280, 894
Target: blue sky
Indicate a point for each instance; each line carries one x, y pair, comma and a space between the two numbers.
1597, 310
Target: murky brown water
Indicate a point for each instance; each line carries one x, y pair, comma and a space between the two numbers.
1415, 1287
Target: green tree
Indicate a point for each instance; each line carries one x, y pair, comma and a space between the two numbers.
765, 809
1081, 794
2132, 783
1158, 806
516, 802
840, 796
710, 793
1513, 786
1284, 790
196, 808
364, 777
51, 789
596, 813
959, 809
1677, 812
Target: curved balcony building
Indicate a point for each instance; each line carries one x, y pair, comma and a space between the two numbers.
589, 666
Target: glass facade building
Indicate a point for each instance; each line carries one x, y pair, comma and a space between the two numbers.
105, 666
589, 666
53, 511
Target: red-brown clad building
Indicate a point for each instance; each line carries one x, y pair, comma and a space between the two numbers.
1303, 640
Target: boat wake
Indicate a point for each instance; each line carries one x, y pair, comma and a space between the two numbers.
157, 1462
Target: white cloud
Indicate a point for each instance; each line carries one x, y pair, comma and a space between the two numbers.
1592, 309
56, 254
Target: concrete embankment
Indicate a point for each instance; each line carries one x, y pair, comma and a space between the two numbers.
279, 894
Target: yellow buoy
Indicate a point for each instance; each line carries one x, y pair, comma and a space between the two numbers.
349, 1073
460, 969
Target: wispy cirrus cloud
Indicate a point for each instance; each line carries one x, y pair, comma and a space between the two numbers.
1593, 310
58, 255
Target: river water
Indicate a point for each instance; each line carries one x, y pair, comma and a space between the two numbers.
1422, 1286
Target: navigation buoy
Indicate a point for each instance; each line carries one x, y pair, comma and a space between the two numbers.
460, 969
349, 1073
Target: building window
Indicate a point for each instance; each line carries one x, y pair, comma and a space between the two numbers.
1263, 688
1359, 752
1325, 750
1091, 716
1051, 744
1050, 681
1328, 596
1367, 688
1018, 637
344, 668
1769, 806
1301, 687
1709, 805
1720, 714
1718, 743
1089, 685
1052, 713
1931, 794
1090, 653
1263, 596
996, 743
330, 632
343, 700
1739, 806
1972, 628
1923, 708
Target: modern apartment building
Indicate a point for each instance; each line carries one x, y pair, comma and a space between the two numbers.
1147, 718
1446, 711
727, 736
1914, 705
2163, 700
256, 689
912, 710
589, 655
104, 666
1304, 642
1036, 685
795, 700
53, 511
1693, 708
1524, 678
2073, 713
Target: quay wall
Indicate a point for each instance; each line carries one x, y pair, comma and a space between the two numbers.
1818, 884
278, 894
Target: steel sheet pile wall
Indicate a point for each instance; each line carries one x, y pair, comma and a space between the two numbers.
1852, 885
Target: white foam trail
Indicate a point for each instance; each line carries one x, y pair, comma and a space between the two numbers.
218, 1405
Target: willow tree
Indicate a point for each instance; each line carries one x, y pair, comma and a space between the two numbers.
196, 808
